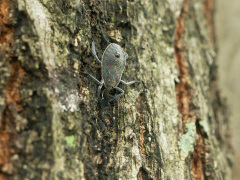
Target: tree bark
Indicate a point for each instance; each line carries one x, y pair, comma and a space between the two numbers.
172, 125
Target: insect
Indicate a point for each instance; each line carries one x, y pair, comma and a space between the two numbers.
112, 66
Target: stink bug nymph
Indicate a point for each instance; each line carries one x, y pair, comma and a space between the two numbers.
112, 66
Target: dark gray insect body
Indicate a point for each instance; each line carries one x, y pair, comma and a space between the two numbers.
112, 66
113, 63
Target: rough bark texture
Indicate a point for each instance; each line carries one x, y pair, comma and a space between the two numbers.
174, 124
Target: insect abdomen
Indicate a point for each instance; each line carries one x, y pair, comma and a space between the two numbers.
113, 62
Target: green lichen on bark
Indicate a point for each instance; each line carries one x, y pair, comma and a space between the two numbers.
187, 140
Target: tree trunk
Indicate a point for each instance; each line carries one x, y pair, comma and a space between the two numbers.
173, 124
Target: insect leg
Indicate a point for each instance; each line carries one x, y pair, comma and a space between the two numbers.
118, 96
128, 83
93, 78
94, 51
104, 35
99, 89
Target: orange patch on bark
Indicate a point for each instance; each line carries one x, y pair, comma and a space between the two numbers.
140, 176
8, 134
183, 88
13, 90
5, 22
184, 93
198, 157
208, 6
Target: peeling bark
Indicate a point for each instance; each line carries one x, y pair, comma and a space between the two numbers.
171, 125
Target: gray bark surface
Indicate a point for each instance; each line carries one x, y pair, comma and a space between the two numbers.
172, 125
